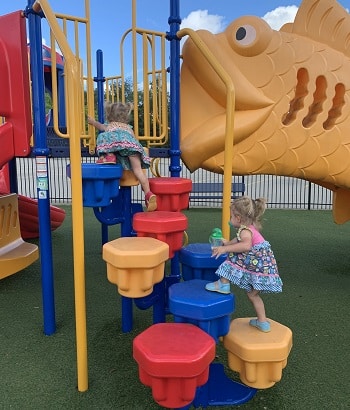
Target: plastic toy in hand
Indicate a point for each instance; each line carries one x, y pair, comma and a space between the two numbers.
215, 239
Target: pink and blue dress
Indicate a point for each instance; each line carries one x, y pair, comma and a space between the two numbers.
255, 269
120, 140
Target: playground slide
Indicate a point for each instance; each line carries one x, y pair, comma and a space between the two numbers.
29, 220
16, 129
28, 210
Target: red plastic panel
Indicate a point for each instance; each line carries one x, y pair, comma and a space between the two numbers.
170, 185
14, 87
160, 222
6, 143
162, 225
172, 193
173, 360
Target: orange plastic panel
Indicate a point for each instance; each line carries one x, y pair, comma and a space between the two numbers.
15, 253
258, 357
129, 179
135, 264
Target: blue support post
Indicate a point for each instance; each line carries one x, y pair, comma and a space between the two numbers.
41, 152
127, 314
125, 206
13, 175
174, 152
100, 79
174, 24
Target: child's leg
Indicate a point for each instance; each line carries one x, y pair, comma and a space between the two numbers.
135, 163
258, 304
151, 199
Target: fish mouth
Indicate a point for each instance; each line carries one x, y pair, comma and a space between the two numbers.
203, 134
208, 138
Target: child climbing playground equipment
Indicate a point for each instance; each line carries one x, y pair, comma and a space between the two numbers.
234, 121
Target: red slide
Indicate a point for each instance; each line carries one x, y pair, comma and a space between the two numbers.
16, 123
28, 210
16, 126
29, 220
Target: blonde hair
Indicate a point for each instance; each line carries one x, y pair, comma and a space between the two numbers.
118, 112
250, 210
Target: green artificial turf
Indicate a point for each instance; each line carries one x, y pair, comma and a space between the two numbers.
39, 372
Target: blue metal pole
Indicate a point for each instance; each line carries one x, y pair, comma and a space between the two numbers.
41, 152
100, 79
125, 192
174, 153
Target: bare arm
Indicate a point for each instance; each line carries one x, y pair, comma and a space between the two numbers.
234, 246
96, 124
226, 242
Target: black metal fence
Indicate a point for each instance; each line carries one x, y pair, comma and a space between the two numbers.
280, 192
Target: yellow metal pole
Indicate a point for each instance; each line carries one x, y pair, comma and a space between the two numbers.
134, 69
78, 230
73, 78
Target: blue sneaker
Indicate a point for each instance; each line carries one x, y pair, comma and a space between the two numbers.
219, 287
263, 326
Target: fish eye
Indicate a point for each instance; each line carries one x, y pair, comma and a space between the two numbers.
249, 35
245, 35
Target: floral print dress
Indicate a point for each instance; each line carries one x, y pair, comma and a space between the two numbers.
255, 269
120, 140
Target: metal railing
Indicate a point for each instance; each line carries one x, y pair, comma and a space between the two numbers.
280, 192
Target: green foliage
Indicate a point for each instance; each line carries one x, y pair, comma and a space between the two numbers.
124, 92
48, 102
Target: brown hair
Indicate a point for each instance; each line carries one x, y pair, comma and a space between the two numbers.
250, 210
118, 112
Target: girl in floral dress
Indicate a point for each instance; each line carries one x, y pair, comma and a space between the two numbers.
250, 263
117, 143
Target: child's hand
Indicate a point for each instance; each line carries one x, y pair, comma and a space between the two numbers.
225, 241
218, 251
90, 120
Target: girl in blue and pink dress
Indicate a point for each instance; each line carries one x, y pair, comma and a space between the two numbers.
250, 263
117, 143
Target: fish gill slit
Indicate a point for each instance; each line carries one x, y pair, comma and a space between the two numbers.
338, 103
316, 107
297, 102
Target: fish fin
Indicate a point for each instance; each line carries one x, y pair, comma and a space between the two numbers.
324, 21
287, 28
341, 205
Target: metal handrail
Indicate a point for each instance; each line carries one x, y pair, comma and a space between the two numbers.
74, 111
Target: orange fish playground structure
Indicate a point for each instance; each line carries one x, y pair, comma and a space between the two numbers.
237, 143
